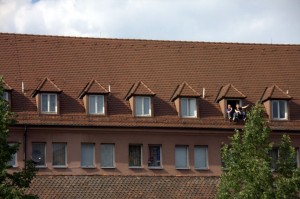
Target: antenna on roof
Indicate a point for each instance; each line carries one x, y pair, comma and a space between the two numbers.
23, 87
287, 92
109, 88
203, 93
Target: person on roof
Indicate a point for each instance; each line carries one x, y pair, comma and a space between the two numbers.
239, 113
229, 111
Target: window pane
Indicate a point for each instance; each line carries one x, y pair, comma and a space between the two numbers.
59, 154
135, 156
146, 105
87, 154
38, 153
92, 104
275, 109
181, 157
5, 96
138, 106
274, 157
184, 105
107, 155
44, 102
154, 156
193, 107
282, 109
13, 161
200, 154
100, 104
52, 103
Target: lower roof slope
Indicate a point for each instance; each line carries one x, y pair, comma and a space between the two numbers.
81, 187
71, 62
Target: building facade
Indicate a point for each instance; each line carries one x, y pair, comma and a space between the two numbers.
121, 107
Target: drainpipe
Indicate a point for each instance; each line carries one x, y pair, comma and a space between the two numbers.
25, 144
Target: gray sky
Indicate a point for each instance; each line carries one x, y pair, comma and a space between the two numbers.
246, 21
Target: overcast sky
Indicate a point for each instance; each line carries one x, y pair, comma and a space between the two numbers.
251, 21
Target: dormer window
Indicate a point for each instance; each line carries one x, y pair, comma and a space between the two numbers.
279, 109
96, 104
143, 106
49, 103
94, 97
47, 96
140, 99
186, 101
275, 101
188, 107
228, 98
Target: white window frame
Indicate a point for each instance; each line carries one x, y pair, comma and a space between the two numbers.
48, 103
160, 151
206, 157
66, 158
188, 99
5, 95
187, 157
113, 153
141, 155
93, 164
97, 112
142, 106
45, 152
15, 157
278, 109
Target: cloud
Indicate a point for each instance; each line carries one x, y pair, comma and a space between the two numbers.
265, 21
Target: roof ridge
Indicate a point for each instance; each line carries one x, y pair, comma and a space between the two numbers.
149, 40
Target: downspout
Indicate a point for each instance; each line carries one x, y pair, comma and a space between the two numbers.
25, 144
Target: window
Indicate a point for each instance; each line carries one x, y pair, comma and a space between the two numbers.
135, 156
279, 109
188, 107
13, 161
38, 154
49, 103
274, 154
200, 156
107, 155
5, 95
154, 160
142, 106
181, 157
96, 104
59, 154
87, 155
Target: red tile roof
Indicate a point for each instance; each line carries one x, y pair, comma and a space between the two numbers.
184, 90
139, 88
93, 87
82, 187
274, 92
46, 85
71, 62
229, 91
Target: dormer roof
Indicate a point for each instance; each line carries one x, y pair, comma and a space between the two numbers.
139, 88
184, 90
6, 86
46, 85
229, 91
274, 92
93, 87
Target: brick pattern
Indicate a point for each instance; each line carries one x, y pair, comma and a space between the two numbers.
81, 187
71, 62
